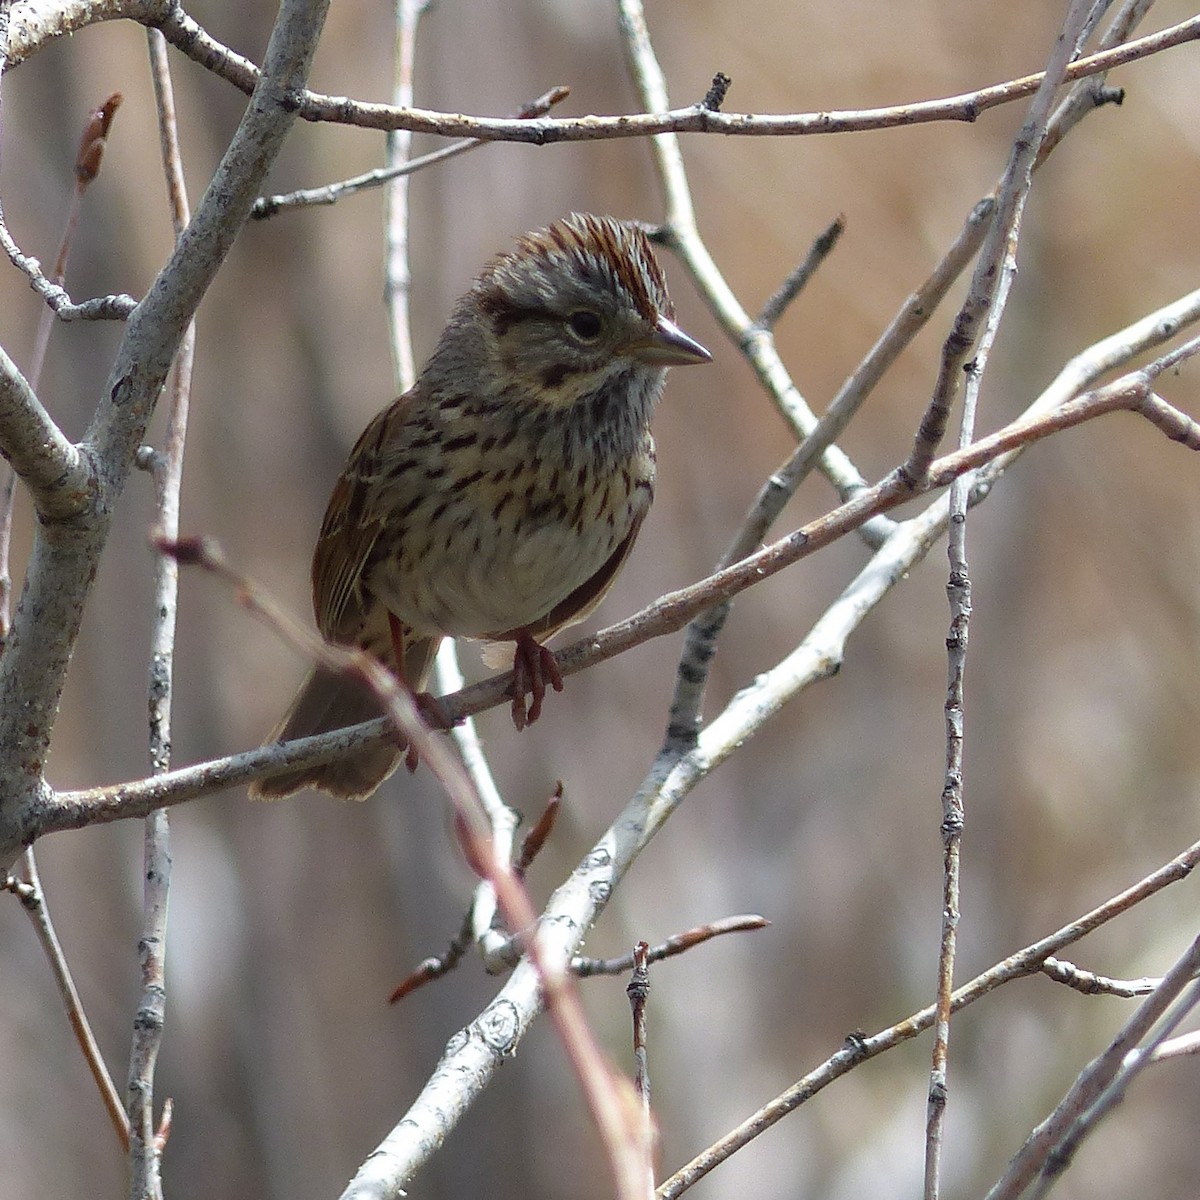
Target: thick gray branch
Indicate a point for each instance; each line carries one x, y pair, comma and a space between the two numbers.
34, 23
66, 552
49, 465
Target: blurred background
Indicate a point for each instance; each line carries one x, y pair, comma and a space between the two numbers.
290, 924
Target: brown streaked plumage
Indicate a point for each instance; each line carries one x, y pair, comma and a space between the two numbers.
497, 498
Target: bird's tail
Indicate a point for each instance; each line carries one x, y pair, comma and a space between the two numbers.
332, 700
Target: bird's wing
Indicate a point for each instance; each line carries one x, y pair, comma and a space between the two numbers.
353, 523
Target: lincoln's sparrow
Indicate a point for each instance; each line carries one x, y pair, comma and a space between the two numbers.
499, 496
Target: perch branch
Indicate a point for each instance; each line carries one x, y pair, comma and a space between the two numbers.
1133, 392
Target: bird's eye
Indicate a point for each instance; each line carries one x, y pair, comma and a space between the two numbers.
585, 324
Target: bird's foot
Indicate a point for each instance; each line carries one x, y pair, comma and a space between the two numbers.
533, 668
433, 714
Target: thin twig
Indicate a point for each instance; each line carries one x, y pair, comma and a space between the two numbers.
196, 43
1091, 984
269, 206
797, 279
397, 280
503, 819
500, 949
638, 991
858, 1048
87, 166
166, 472
33, 899
472, 1057
988, 293
436, 966
101, 308
499, 952
1050, 1147
679, 944
996, 264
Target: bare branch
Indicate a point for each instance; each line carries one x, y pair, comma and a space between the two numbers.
698, 118
1091, 984
859, 1047
33, 900
102, 308
638, 991
987, 297
167, 473
680, 943
268, 206
64, 558
36, 22
1051, 1146
797, 279
72, 810
58, 476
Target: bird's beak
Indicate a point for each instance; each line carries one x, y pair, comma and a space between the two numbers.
669, 346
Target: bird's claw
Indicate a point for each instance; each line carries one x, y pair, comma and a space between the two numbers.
433, 714
533, 668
